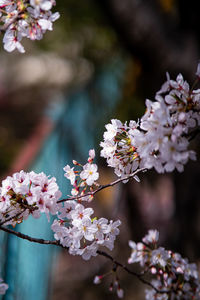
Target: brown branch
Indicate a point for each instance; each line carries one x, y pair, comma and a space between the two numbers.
130, 176
125, 268
28, 238
102, 253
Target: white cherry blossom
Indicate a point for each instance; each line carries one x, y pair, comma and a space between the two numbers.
166, 268
89, 173
28, 193
30, 19
82, 234
70, 174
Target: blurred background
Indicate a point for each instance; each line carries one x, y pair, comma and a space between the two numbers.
102, 60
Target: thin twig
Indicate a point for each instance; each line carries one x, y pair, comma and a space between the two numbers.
11, 218
125, 268
28, 238
92, 193
24, 207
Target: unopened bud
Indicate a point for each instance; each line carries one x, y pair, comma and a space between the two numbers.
165, 276
90, 160
120, 293
179, 270
91, 154
111, 287
153, 270
97, 279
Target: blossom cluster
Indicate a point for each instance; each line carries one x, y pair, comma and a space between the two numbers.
160, 139
24, 193
30, 19
174, 276
84, 178
75, 228
83, 235
3, 287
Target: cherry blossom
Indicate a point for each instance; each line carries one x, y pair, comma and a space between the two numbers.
30, 19
82, 234
89, 173
160, 139
24, 193
83, 178
70, 174
174, 277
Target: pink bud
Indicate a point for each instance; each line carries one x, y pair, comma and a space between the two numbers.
111, 287
97, 279
153, 270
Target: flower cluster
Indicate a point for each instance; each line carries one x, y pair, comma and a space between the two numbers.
160, 139
82, 234
174, 276
22, 18
83, 179
27, 193
3, 287
118, 147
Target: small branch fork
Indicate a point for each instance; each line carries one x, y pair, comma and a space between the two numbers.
102, 187
102, 253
